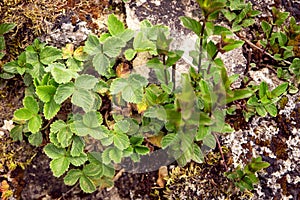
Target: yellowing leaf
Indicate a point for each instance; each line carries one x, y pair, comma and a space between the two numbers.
156, 139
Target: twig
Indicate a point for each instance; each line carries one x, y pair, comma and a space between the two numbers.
70, 190
220, 147
260, 49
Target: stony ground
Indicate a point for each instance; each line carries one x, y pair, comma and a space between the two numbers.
26, 169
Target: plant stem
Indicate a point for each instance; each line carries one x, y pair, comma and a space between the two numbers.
221, 152
212, 59
201, 46
173, 76
165, 69
260, 49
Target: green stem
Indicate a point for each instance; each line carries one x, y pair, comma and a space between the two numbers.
165, 69
201, 45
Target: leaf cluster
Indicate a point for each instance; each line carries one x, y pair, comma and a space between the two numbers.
245, 178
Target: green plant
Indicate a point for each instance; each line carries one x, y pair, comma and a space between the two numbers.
239, 14
264, 103
183, 115
245, 178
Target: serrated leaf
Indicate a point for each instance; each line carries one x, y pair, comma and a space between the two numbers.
59, 166
38, 69
92, 119
34, 124
53, 151
116, 155
99, 132
101, 63
23, 114
92, 45
155, 63
50, 54
53, 139
60, 73
92, 170
126, 35
142, 43
86, 184
63, 92
64, 136
45, 92
74, 65
17, 133
191, 24
78, 160
72, 176
77, 146
57, 126
121, 141
112, 47
115, 26
129, 54
36, 139
67, 51
156, 112
30, 103
79, 54
108, 170
122, 126
131, 88
86, 81
51, 108
83, 98
105, 156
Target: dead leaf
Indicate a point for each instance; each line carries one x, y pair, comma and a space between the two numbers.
156, 139
162, 174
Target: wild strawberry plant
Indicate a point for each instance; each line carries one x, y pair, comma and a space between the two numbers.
185, 115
